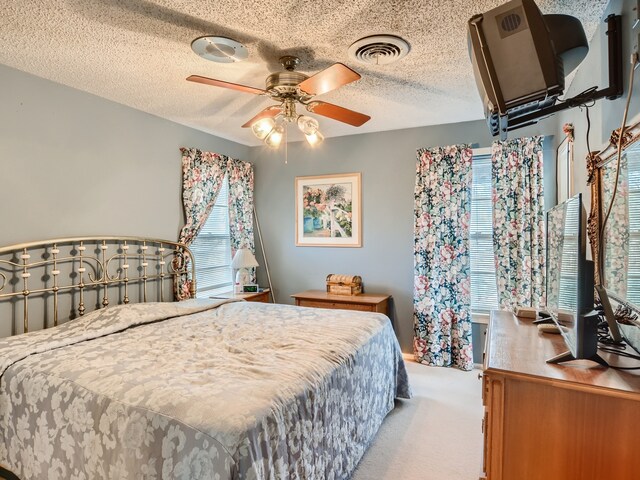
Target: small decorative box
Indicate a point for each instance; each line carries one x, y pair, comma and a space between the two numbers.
344, 284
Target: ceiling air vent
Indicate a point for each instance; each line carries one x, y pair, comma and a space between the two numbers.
379, 49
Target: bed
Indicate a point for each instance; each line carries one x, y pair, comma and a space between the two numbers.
199, 389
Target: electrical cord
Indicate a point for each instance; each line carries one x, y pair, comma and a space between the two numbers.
609, 345
617, 351
588, 130
634, 61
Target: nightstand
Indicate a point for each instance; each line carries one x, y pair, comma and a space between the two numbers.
365, 302
262, 296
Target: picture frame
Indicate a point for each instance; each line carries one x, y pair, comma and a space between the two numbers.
564, 166
328, 210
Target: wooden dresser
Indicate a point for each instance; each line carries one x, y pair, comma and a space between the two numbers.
555, 422
364, 302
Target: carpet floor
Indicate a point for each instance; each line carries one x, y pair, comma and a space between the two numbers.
434, 436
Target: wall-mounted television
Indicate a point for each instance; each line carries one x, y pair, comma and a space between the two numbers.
520, 58
570, 284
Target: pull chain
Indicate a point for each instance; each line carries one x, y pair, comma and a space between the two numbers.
286, 144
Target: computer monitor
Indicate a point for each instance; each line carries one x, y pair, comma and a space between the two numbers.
570, 283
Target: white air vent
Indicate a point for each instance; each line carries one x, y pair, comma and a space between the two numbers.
219, 49
379, 49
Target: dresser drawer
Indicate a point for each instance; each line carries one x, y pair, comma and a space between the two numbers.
365, 302
336, 305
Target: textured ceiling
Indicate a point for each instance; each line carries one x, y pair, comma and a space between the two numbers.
137, 52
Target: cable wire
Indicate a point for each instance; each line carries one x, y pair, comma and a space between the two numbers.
619, 155
588, 129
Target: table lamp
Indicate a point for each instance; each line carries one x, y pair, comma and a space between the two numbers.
242, 261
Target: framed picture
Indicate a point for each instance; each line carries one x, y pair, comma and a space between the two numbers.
329, 211
564, 165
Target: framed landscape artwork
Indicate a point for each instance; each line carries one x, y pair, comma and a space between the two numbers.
329, 211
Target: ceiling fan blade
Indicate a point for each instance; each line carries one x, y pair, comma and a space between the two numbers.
268, 112
220, 83
329, 79
338, 113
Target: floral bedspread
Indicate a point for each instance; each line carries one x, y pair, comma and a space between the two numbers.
198, 390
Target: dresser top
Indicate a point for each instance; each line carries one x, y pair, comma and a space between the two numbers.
516, 347
364, 298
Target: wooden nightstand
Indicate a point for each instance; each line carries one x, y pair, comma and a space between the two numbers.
364, 302
262, 296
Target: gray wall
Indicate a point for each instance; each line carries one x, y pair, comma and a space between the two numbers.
76, 164
387, 161
606, 115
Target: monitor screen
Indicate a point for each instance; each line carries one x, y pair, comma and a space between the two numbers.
564, 253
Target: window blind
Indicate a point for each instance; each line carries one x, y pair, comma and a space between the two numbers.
212, 250
633, 278
484, 294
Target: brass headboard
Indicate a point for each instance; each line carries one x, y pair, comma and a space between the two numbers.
73, 267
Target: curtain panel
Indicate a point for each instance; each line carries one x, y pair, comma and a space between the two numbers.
442, 317
518, 222
202, 178
241, 207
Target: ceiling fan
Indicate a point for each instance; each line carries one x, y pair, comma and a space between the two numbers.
290, 88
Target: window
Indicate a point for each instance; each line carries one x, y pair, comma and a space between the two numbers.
212, 249
484, 294
633, 279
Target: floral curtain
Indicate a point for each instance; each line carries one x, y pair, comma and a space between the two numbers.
518, 222
241, 207
442, 317
202, 178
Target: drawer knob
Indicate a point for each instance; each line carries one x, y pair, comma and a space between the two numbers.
480, 376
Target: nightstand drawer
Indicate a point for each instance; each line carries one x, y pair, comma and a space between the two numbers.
263, 296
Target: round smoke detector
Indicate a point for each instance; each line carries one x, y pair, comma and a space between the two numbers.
219, 49
379, 49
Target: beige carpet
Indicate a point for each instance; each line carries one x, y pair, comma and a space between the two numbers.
434, 436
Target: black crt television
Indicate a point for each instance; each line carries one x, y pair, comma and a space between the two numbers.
570, 282
520, 58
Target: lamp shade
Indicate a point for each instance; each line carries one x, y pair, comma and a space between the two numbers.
243, 259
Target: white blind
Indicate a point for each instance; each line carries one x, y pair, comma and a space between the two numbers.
212, 250
568, 299
633, 277
484, 294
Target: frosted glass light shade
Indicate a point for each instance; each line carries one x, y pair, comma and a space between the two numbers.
274, 137
314, 138
262, 127
308, 125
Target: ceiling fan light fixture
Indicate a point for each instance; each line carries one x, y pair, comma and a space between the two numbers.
219, 49
274, 138
263, 127
308, 125
314, 139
